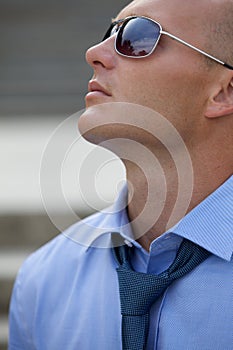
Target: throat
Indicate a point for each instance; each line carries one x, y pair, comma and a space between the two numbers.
151, 200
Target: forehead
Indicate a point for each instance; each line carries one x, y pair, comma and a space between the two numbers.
183, 14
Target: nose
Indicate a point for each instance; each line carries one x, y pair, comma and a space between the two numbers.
102, 55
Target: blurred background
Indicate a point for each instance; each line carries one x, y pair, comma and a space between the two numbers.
43, 81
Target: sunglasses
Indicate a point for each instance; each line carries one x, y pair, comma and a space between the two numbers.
137, 37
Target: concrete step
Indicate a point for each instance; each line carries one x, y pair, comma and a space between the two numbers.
10, 261
25, 231
3, 332
62, 180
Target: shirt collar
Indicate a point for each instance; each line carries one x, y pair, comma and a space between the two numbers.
210, 224
96, 230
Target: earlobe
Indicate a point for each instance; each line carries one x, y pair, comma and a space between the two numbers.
221, 103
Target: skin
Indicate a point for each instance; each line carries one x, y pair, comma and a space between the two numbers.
177, 82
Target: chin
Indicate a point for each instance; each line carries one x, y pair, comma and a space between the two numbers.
117, 124
93, 124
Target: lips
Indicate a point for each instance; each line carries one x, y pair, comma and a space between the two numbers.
93, 86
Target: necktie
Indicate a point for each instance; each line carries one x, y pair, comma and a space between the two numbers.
138, 291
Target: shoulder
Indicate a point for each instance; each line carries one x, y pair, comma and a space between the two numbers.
69, 247
60, 271
71, 251
59, 264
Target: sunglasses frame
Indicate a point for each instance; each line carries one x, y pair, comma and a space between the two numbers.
161, 31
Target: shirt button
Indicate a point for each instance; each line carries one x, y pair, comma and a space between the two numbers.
128, 243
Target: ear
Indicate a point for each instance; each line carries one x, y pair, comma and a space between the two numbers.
221, 103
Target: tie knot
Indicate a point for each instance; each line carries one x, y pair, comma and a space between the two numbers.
138, 290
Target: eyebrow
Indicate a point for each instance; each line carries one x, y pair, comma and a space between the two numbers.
115, 21
131, 14
122, 18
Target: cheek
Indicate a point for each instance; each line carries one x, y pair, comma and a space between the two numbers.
164, 86
135, 87
145, 87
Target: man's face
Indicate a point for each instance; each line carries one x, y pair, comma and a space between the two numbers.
173, 80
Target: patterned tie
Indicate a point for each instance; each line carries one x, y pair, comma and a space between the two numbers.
138, 291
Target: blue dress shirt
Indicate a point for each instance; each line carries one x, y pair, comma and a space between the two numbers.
66, 294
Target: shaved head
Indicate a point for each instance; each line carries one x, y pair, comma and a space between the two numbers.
219, 30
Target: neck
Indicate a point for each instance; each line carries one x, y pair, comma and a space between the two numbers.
155, 191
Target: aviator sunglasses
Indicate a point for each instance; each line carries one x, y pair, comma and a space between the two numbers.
138, 36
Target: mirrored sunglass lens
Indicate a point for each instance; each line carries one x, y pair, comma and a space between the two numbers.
137, 37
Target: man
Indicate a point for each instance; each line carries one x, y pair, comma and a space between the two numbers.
68, 295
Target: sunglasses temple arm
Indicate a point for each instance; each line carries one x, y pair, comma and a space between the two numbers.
196, 49
228, 66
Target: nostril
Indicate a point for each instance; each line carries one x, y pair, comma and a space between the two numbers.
97, 63
101, 55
